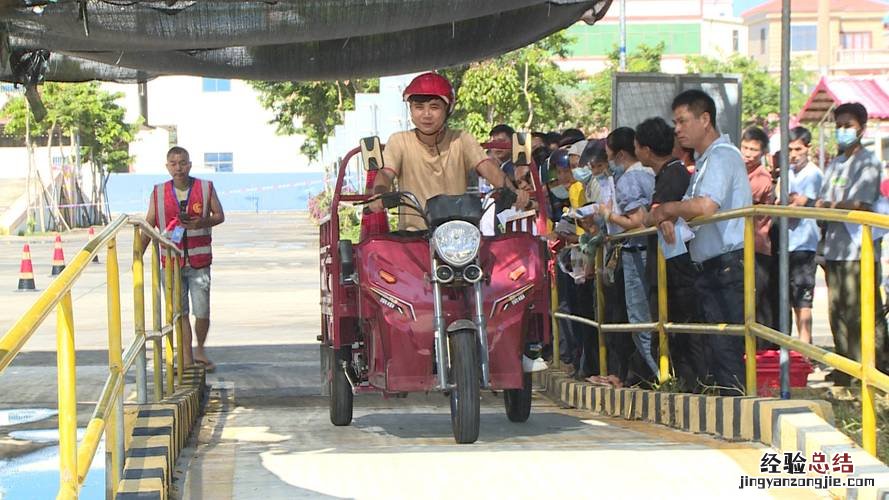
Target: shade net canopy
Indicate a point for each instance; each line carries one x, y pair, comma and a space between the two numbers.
132, 40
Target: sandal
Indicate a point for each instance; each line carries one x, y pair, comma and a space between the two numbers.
208, 365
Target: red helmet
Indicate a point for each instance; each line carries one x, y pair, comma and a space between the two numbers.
431, 84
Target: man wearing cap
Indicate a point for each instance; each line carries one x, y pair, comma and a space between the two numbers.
574, 297
433, 159
503, 133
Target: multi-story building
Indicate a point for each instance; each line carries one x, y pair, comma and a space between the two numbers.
833, 37
686, 27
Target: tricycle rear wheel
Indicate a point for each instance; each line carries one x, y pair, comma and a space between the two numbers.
464, 374
340, 389
518, 401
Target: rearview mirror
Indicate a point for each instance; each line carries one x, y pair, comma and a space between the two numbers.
521, 149
371, 153
521, 158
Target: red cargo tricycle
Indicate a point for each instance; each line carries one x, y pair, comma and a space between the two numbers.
446, 309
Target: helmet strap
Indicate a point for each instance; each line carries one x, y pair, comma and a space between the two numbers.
437, 134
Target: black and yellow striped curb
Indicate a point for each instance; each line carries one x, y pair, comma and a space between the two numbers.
159, 432
786, 425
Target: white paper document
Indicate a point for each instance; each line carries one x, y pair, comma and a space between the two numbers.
683, 233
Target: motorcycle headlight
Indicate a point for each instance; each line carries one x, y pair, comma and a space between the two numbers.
457, 242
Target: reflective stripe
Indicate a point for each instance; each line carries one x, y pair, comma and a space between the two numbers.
198, 241
161, 210
205, 198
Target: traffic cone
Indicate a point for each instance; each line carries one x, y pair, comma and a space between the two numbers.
58, 257
92, 235
26, 272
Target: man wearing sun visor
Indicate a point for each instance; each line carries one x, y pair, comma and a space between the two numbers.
433, 159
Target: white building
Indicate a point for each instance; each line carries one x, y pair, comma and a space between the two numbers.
220, 122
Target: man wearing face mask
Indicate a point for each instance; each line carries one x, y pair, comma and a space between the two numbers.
620, 347
582, 172
806, 179
585, 173
851, 182
565, 193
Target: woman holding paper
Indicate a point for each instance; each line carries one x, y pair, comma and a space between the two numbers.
633, 193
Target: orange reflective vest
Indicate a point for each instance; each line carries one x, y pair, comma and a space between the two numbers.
196, 242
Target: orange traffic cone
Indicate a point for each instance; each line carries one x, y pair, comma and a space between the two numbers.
92, 235
26, 272
58, 257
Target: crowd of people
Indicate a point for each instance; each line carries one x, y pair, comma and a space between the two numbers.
663, 175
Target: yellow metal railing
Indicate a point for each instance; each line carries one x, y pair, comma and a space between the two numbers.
865, 370
107, 417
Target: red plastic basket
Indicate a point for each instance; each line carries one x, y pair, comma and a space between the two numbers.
768, 371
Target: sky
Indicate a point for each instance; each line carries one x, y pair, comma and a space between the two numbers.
742, 5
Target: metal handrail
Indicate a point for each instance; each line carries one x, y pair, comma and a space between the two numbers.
107, 415
865, 370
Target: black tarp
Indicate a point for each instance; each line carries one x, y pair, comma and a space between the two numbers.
126, 40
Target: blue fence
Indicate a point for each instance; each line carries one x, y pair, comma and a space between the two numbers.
128, 193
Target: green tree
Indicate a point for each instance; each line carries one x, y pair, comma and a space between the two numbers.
523, 88
760, 90
81, 109
311, 109
593, 102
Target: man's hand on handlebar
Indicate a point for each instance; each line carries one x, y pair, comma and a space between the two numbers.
522, 199
376, 206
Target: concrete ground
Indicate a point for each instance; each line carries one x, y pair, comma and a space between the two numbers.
270, 436
281, 445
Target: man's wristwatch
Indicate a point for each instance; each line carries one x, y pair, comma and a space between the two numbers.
810, 202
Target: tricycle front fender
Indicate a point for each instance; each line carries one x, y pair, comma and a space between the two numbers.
461, 324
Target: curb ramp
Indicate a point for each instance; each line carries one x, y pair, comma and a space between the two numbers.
158, 432
785, 425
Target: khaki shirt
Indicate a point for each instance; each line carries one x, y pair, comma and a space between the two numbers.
430, 171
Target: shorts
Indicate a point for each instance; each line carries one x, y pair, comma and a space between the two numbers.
802, 279
196, 282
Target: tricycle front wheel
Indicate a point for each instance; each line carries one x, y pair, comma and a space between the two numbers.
464, 374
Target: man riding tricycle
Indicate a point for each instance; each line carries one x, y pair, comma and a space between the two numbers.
436, 305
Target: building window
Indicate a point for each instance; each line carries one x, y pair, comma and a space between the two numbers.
762, 41
859, 40
735, 41
803, 38
219, 162
217, 85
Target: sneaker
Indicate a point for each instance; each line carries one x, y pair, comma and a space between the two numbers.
533, 365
